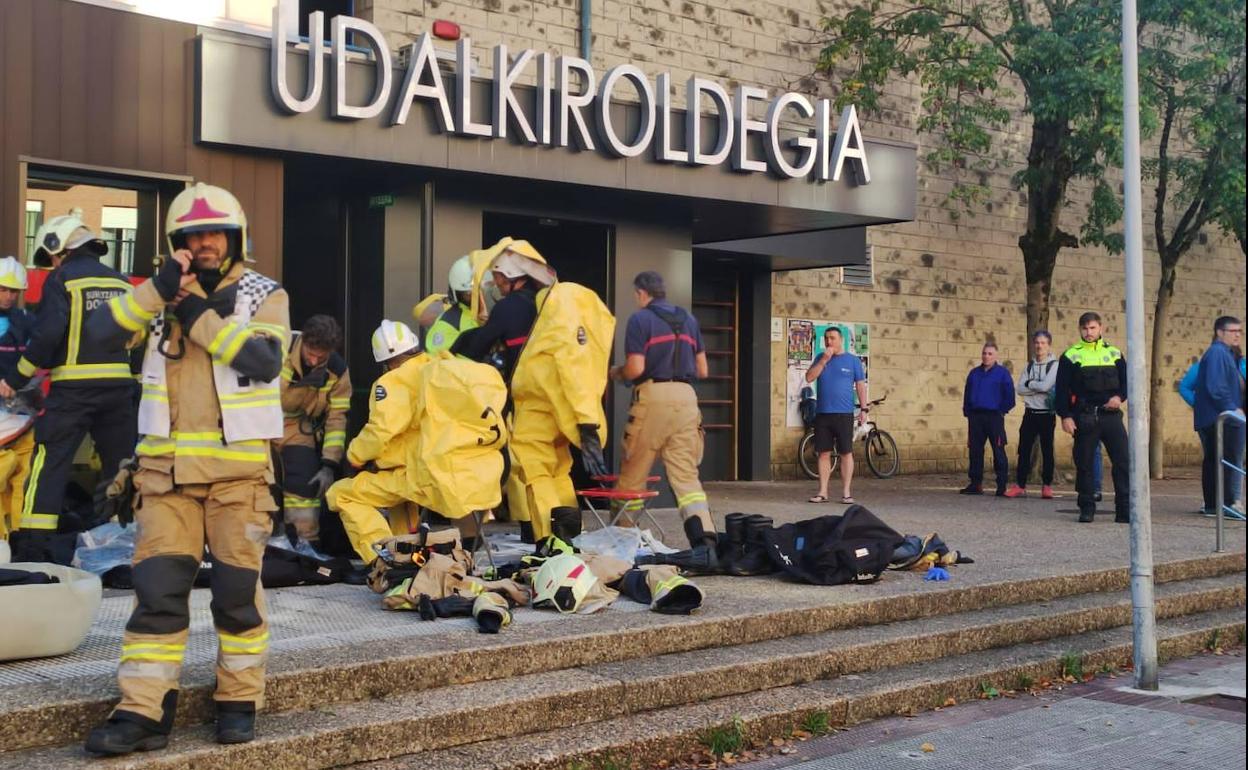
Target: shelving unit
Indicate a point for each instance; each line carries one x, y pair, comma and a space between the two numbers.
716, 306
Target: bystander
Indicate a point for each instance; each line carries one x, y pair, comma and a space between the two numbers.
1220, 388
989, 394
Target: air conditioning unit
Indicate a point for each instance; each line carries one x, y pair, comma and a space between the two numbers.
859, 275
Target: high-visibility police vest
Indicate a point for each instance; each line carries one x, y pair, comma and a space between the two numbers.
1098, 366
250, 409
453, 322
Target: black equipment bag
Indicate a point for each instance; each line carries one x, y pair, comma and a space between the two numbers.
282, 568
832, 550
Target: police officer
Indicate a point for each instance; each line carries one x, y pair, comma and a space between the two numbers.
1091, 389
664, 350
92, 389
16, 325
216, 337
316, 397
457, 318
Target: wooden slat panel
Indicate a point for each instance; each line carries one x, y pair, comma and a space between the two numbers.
175, 82
46, 108
15, 62
74, 80
125, 112
267, 232
100, 102
148, 113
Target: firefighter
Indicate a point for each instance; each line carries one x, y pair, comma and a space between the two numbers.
211, 408
16, 448
458, 318
316, 397
93, 389
380, 452
664, 355
1091, 389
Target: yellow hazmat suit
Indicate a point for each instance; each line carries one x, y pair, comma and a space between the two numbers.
558, 384
14, 468
387, 441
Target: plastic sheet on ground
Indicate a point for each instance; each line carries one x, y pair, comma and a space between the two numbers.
625, 543
104, 547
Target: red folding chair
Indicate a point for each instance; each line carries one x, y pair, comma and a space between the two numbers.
607, 495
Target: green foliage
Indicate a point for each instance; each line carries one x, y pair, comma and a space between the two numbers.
1214, 641
817, 723
988, 690
725, 739
1025, 682
1072, 665
1107, 668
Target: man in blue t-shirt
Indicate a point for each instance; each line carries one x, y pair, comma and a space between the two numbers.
839, 374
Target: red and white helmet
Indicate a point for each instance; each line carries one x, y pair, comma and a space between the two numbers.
563, 582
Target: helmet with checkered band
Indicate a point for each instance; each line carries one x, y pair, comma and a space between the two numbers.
204, 208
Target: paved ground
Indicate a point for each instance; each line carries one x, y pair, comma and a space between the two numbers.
1009, 539
1101, 725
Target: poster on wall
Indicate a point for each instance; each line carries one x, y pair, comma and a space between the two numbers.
805, 344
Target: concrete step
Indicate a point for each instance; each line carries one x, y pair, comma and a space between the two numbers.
646, 739
62, 711
427, 720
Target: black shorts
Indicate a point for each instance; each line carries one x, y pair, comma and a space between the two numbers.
834, 432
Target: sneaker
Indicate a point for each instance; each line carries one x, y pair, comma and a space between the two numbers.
1016, 491
971, 489
1097, 497
1000, 492
1046, 492
1085, 517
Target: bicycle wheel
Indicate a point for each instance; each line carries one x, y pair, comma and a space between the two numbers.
882, 455
807, 457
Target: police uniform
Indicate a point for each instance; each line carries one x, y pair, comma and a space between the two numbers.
93, 389
453, 322
1088, 375
210, 410
315, 405
664, 420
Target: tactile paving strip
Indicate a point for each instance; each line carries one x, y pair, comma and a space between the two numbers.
300, 618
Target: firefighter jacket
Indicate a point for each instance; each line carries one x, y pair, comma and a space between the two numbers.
1088, 375
13, 341
390, 435
71, 295
315, 403
211, 399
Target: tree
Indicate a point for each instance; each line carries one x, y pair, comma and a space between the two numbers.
967, 55
1192, 76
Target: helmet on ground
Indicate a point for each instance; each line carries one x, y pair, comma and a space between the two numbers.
562, 582
460, 277
63, 234
12, 274
393, 338
204, 207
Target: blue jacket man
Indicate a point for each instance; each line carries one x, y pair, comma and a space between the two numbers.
989, 394
1220, 388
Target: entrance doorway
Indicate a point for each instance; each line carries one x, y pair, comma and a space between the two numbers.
581, 252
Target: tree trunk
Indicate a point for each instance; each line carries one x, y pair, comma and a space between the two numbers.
1157, 384
1048, 173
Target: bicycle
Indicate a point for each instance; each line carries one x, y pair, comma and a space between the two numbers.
879, 447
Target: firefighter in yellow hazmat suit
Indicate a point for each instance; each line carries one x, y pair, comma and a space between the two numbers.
557, 384
384, 443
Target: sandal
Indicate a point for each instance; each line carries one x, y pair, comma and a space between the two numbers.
818, 499
847, 501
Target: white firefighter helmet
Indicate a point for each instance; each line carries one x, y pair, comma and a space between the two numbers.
65, 233
204, 207
12, 274
393, 338
460, 277
562, 582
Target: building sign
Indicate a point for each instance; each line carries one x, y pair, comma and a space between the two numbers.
572, 107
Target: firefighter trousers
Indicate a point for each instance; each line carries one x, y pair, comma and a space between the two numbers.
14, 468
301, 508
359, 500
175, 522
664, 423
109, 414
542, 463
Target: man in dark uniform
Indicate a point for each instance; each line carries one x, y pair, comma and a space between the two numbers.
93, 390
1091, 389
664, 354
509, 323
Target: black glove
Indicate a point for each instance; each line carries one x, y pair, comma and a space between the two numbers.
168, 279
591, 451
189, 310
323, 479
312, 379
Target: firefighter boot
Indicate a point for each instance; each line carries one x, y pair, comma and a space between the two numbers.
565, 523
703, 547
732, 545
755, 559
236, 722
121, 736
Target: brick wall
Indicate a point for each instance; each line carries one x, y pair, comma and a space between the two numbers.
942, 284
